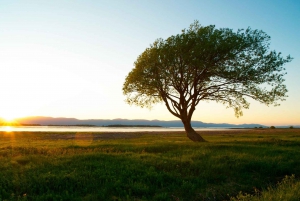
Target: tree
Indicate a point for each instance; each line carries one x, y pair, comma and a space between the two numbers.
204, 63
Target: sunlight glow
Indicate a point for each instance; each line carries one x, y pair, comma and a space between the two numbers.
8, 119
8, 128
8, 123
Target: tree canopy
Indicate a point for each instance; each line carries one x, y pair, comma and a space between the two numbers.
204, 63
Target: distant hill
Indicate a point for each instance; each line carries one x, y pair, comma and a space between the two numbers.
44, 121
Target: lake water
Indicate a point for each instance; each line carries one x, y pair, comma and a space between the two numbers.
98, 129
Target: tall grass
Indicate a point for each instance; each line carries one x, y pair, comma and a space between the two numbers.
146, 166
287, 189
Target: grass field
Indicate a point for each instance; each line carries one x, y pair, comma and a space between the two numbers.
236, 164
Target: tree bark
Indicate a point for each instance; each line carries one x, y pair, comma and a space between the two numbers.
191, 133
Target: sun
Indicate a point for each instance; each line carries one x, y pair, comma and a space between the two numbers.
8, 121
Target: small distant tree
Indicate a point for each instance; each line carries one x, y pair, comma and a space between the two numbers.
272, 127
291, 127
204, 63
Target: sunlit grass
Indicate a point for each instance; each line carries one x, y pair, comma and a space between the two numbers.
151, 166
287, 189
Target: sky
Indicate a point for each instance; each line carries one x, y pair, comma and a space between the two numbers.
70, 58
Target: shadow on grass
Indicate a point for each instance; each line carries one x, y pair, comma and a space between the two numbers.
214, 171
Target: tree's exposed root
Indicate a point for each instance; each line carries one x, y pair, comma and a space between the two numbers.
195, 137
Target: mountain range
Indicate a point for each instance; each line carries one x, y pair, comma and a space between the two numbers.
44, 121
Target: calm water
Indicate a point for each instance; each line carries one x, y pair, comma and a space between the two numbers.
97, 129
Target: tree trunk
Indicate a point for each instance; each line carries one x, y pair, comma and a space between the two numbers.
191, 133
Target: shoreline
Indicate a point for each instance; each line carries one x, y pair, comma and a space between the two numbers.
128, 135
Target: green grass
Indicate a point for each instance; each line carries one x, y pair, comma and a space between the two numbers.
235, 164
287, 189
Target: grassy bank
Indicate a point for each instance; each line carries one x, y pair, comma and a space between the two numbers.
145, 166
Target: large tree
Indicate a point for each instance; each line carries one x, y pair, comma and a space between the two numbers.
204, 63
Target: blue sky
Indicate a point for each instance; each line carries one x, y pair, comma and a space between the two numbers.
70, 58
